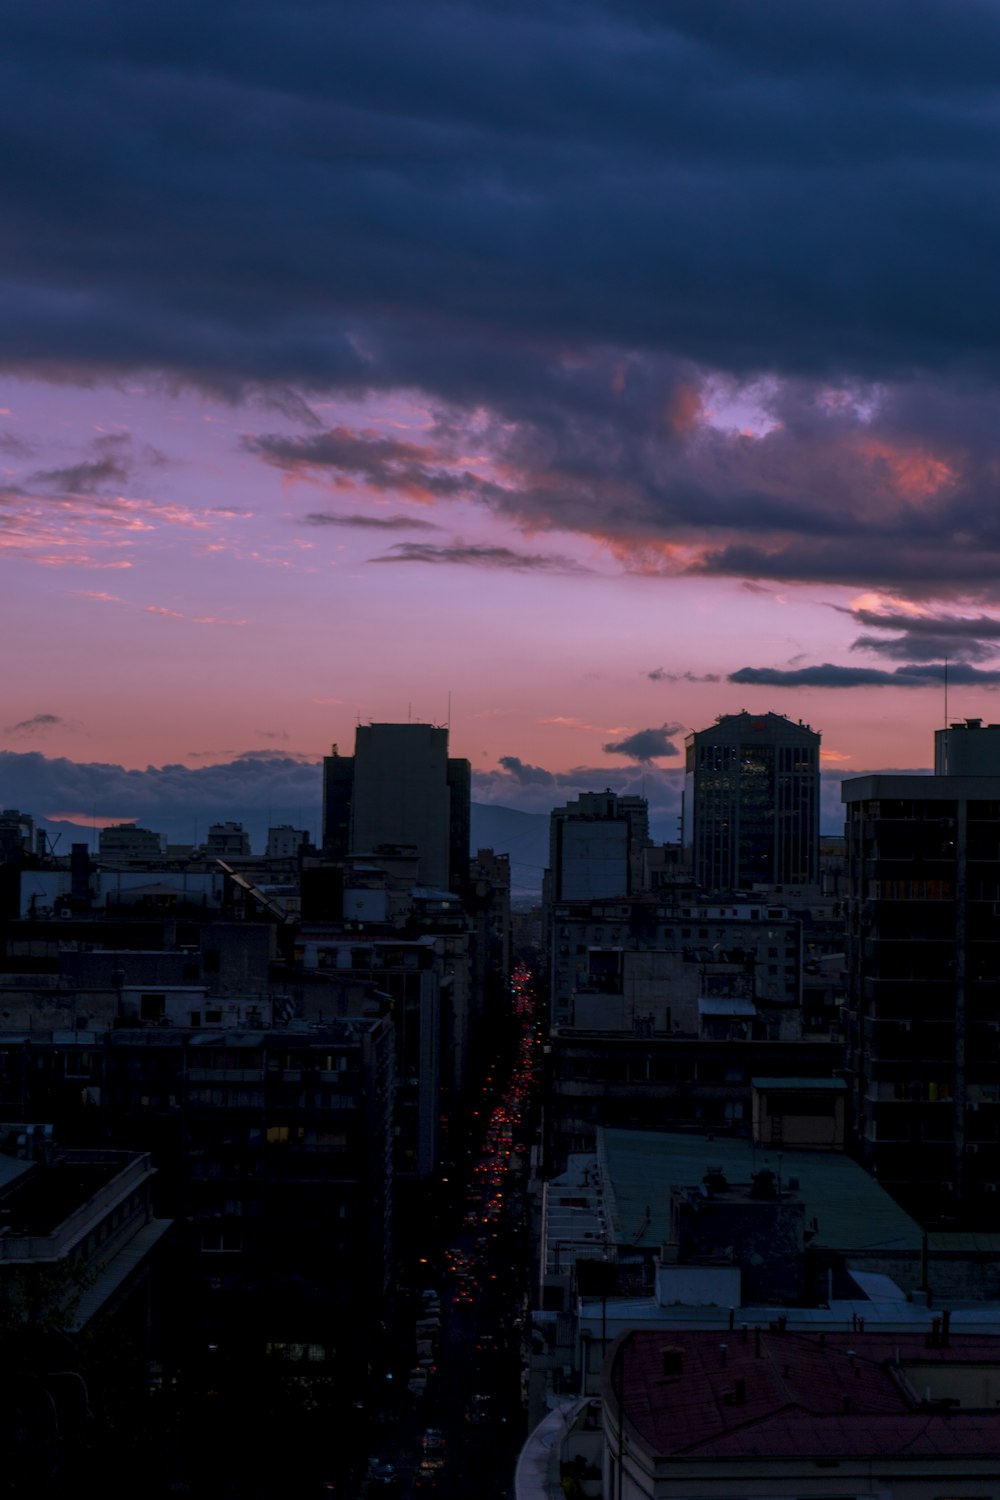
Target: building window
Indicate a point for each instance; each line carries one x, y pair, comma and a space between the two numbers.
152, 1007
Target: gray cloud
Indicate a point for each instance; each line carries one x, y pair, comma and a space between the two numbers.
171, 798
36, 725
924, 648
536, 789
109, 465
957, 627
371, 523
658, 674
480, 556
828, 675
647, 744
928, 637
525, 774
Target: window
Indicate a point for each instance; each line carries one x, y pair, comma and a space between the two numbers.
152, 1007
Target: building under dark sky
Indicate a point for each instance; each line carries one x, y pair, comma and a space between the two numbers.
756, 802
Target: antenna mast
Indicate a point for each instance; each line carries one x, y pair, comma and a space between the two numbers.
946, 692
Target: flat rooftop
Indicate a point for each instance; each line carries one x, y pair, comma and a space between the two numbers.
44, 1197
640, 1167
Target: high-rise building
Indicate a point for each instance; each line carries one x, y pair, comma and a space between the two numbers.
595, 846
756, 802
923, 980
400, 787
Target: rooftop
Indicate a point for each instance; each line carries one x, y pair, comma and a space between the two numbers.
640, 1167
39, 1201
782, 1395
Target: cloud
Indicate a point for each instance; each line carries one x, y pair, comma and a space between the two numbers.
927, 636
110, 466
830, 676
924, 648
536, 789
707, 292
647, 744
524, 774
480, 556
373, 523
658, 674
36, 725
250, 787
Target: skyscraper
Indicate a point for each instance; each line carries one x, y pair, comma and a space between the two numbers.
401, 787
756, 802
923, 975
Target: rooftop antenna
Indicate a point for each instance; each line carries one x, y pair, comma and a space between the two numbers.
946, 692
448, 720
409, 712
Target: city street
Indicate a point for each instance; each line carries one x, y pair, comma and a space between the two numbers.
459, 1423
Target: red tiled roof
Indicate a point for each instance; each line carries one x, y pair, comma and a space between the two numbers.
842, 1396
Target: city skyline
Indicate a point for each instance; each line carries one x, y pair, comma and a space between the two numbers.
568, 379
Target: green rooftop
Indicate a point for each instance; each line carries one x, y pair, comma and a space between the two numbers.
639, 1168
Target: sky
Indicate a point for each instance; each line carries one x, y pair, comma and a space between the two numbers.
567, 373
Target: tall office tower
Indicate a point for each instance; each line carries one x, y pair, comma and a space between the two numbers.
400, 787
923, 977
595, 846
756, 802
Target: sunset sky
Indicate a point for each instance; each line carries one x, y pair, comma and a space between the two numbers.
576, 372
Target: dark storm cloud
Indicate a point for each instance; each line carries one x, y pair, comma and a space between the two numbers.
555, 223
830, 676
479, 556
371, 523
647, 744
440, 156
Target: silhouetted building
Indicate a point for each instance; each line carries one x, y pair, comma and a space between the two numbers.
596, 845
968, 748
923, 985
227, 840
127, 844
755, 802
401, 787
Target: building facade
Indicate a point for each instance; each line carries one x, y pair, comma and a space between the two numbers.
923, 985
400, 787
755, 787
596, 845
